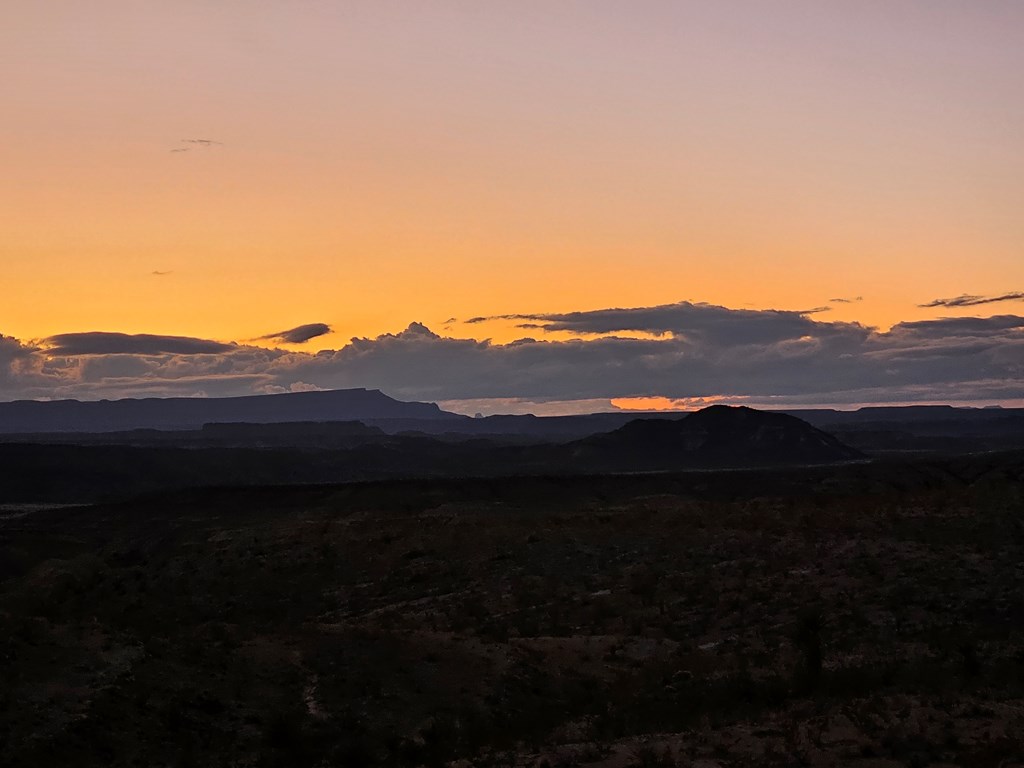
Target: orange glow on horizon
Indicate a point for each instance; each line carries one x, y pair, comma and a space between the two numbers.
669, 404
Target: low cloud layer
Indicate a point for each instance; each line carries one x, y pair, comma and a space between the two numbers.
298, 335
969, 300
697, 351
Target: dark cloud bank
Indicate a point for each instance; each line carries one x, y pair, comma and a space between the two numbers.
698, 350
99, 343
298, 335
970, 300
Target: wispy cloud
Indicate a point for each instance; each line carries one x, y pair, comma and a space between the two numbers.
197, 144
298, 335
842, 300
970, 300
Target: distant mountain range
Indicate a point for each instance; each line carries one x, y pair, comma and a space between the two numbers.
325, 419
114, 465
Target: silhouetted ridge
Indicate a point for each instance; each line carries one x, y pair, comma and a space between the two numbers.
26, 416
718, 436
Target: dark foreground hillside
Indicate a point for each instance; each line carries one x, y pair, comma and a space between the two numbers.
868, 615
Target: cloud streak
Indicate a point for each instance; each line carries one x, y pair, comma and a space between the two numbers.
298, 335
197, 144
970, 300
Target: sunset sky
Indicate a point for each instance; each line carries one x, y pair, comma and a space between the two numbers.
770, 191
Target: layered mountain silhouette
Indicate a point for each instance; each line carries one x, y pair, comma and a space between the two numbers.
893, 429
717, 436
66, 467
186, 413
70, 451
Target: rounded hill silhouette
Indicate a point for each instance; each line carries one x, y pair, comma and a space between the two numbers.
717, 436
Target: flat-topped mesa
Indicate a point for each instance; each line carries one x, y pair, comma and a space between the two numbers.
184, 413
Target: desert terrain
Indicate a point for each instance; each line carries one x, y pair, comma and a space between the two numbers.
868, 614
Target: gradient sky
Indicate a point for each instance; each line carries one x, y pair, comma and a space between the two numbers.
387, 162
